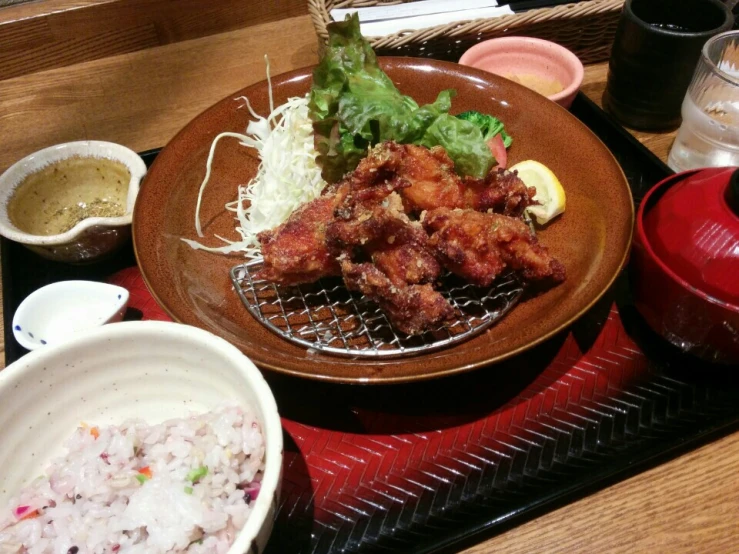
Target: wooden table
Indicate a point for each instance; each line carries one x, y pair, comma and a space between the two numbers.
143, 98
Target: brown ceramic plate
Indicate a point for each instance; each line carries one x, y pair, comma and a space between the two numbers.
591, 238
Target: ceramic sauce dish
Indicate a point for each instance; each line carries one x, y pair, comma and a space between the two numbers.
55, 313
542, 65
89, 229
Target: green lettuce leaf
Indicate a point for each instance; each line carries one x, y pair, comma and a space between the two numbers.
463, 142
354, 105
489, 126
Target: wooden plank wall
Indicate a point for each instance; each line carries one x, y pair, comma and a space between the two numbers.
54, 33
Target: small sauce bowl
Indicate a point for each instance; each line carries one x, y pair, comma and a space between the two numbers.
89, 238
58, 312
529, 57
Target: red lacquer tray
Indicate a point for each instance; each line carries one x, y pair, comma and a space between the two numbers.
374, 466
426, 467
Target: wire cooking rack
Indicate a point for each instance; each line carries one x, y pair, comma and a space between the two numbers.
326, 317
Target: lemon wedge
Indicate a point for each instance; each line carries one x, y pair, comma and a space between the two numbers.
549, 191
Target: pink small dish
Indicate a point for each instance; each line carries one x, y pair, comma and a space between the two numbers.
517, 56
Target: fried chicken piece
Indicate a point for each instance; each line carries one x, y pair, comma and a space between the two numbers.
501, 191
412, 309
371, 222
296, 251
407, 264
376, 176
479, 246
434, 184
433, 180
370, 226
384, 234
402, 265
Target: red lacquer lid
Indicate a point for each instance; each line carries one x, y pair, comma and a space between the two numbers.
694, 229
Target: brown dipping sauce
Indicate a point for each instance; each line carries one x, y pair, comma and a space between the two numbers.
54, 199
547, 87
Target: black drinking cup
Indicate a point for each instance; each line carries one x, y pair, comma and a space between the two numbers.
655, 52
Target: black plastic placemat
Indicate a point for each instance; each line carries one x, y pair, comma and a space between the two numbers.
669, 404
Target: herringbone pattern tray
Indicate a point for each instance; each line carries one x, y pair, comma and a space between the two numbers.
421, 467
406, 468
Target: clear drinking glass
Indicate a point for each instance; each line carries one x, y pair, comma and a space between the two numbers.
709, 134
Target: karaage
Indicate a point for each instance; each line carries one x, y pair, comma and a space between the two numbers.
411, 309
479, 246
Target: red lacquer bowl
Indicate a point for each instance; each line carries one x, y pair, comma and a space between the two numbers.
685, 262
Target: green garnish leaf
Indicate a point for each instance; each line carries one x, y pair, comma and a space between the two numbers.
489, 126
188, 490
463, 142
354, 105
196, 474
141, 478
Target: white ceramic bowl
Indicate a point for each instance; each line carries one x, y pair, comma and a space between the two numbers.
151, 370
92, 237
59, 311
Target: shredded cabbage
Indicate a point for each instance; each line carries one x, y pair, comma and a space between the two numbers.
288, 175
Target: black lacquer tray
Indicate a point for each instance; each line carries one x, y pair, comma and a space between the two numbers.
439, 465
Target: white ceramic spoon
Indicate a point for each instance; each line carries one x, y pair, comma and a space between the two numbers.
59, 311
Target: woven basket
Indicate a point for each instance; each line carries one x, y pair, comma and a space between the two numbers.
586, 28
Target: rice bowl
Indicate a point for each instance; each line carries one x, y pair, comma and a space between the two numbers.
175, 445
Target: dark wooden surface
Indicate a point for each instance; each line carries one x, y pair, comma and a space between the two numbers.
57, 33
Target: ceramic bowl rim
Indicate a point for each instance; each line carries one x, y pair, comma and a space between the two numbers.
541, 45
36, 360
14, 175
641, 236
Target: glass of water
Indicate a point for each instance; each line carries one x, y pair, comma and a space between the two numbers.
709, 134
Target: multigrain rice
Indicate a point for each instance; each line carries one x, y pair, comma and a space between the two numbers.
185, 485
